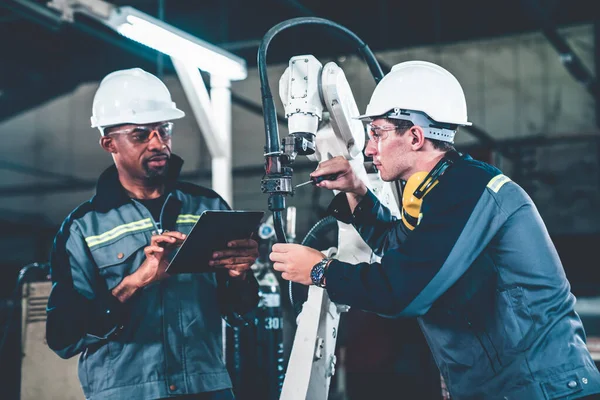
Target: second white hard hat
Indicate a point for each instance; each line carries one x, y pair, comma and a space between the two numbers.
420, 86
132, 96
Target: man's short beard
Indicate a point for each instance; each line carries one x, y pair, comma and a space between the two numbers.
152, 173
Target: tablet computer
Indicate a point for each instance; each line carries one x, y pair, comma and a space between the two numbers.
212, 232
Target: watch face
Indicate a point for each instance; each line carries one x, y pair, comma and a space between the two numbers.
316, 274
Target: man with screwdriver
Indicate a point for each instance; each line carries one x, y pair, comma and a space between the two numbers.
475, 262
143, 334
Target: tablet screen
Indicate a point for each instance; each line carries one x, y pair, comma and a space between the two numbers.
210, 233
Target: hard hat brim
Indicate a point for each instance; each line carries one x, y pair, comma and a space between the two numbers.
370, 117
365, 117
142, 118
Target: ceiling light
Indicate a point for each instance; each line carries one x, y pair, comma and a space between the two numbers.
176, 43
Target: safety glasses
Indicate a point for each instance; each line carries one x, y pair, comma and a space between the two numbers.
378, 133
144, 133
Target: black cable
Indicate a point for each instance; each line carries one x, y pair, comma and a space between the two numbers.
16, 295
311, 240
278, 225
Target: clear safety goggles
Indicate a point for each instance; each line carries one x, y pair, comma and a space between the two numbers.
144, 133
377, 133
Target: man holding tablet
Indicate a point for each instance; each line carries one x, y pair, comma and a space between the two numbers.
144, 333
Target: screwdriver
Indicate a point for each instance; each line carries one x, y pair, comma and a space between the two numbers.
319, 179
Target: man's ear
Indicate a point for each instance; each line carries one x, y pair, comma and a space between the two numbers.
417, 137
108, 144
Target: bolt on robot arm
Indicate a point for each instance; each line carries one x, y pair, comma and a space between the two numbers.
307, 89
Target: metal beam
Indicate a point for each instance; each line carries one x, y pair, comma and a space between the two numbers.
221, 167
570, 60
199, 100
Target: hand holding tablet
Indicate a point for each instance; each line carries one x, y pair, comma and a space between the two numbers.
213, 231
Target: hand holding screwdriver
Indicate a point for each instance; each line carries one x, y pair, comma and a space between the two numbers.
319, 179
337, 174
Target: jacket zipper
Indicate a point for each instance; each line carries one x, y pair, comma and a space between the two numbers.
160, 217
158, 230
157, 225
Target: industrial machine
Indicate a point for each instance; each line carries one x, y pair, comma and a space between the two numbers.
307, 90
38, 381
42, 374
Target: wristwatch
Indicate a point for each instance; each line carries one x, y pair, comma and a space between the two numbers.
317, 273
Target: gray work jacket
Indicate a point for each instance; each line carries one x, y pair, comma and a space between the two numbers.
486, 282
167, 339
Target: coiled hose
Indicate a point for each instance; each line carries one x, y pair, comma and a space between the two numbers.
314, 239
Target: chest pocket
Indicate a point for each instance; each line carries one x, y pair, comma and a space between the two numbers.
121, 257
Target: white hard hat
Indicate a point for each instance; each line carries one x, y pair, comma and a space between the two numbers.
414, 90
132, 96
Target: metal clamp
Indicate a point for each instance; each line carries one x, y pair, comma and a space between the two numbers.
282, 184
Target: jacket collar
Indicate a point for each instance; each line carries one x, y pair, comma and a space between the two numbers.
110, 193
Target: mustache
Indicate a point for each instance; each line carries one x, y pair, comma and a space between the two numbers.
159, 156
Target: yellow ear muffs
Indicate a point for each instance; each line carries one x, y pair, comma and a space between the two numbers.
411, 204
421, 183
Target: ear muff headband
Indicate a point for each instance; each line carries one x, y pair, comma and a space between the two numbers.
418, 185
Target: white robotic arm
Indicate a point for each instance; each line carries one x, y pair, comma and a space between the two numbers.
306, 89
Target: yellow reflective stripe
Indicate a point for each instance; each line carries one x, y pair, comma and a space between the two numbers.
118, 231
188, 216
497, 182
187, 219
